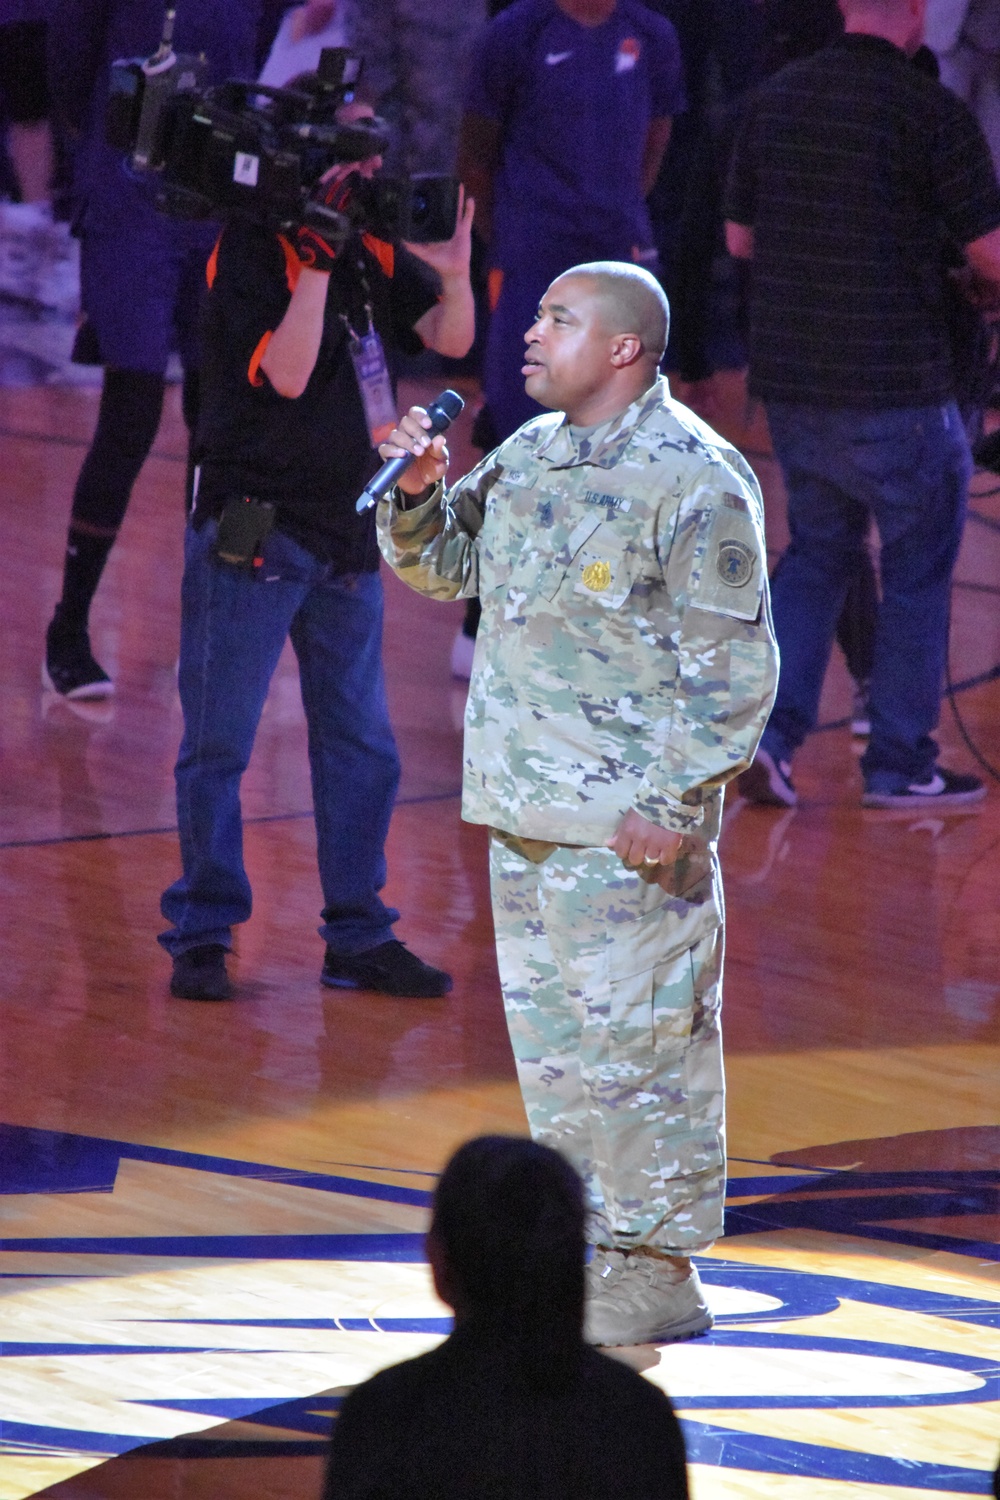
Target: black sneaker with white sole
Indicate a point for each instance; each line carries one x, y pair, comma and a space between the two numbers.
768, 781
940, 789
389, 969
69, 667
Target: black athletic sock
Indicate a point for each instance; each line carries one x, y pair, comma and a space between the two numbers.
129, 415
82, 569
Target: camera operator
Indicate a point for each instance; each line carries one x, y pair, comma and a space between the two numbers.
295, 393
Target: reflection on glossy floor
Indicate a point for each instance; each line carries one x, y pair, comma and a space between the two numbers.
212, 1214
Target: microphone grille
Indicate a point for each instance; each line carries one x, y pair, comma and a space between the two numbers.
449, 404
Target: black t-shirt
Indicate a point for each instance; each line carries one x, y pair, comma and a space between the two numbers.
460, 1423
311, 456
856, 172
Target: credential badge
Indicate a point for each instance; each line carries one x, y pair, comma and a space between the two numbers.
734, 563
597, 576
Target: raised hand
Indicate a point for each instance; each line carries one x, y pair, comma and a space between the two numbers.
450, 258
413, 436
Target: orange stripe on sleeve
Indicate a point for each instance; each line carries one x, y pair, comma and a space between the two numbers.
293, 266
494, 284
253, 373
383, 252
212, 267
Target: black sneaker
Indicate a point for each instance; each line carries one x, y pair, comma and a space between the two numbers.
941, 789
391, 969
768, 781
200, 974
69, 667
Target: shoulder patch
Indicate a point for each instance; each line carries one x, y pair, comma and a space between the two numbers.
731, 563
734, 562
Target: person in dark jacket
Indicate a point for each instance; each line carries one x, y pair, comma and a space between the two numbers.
296, 386
513, 1405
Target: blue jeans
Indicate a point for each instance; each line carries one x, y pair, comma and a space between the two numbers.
233, 628
910, 469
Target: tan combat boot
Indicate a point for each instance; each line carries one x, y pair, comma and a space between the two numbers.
642, 1297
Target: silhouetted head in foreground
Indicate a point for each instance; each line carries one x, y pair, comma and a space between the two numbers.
506, 1247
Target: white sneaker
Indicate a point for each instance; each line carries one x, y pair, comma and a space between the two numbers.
21, 225
39, 259
463, 649
58, 287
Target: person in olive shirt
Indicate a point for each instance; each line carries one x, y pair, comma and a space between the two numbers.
290, 336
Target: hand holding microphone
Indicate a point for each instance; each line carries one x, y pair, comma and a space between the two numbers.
415, 453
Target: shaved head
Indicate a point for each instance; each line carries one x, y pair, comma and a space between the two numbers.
880, 7
632, 301
898, 21
597, 341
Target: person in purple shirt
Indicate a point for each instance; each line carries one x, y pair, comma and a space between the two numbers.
142, 279
568, 113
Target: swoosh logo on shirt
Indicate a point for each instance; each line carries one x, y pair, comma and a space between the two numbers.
552, 58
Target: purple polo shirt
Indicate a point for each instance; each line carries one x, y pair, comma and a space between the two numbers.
574, 104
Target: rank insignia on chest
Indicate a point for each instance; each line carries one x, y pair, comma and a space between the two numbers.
734, 563
597, 576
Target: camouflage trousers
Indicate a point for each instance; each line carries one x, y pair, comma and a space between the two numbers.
612, 991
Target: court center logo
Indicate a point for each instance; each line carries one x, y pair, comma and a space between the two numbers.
118, 1341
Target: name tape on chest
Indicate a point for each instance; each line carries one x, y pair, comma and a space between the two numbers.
609, 502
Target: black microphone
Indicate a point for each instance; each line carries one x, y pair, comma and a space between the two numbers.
442, 413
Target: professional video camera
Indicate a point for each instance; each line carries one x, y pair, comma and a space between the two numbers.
245, 149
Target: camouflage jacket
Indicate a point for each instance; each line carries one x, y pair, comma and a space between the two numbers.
626, 656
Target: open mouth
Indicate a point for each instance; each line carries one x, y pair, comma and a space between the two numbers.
531, 365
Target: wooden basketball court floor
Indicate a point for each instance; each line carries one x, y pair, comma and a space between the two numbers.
212, 1213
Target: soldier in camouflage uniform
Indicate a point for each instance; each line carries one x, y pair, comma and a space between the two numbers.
623, 674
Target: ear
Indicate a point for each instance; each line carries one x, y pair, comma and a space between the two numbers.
626, 348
